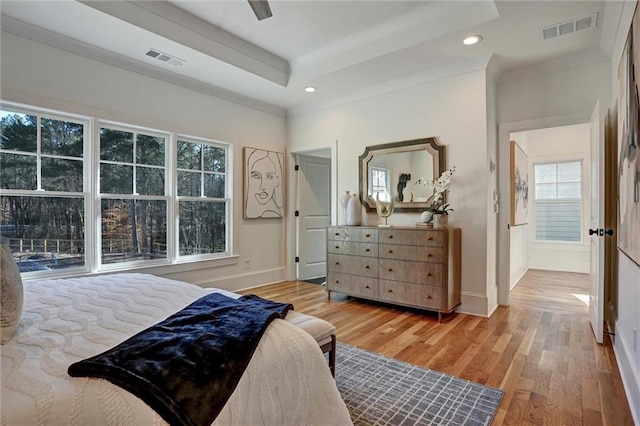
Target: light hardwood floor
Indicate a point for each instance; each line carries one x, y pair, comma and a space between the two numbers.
540, 350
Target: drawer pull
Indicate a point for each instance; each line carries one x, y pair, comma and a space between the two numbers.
367, 267
368, 250
367, 236
428, 274
337, 263
366, 286
390, 270
337, 281
428, 296
429, 238
390, 251
390, 236
337, 234
389, 291
337, 247
429, 255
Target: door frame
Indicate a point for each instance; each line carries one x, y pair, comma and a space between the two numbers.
504, 189
292, 205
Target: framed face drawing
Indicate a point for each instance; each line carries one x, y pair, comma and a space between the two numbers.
263, 184
519, 185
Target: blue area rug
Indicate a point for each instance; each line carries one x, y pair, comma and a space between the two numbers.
383, 391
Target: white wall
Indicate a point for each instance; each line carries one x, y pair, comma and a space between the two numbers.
39, 75
628, 303
492, 204
564, 143
627, 347
453, 110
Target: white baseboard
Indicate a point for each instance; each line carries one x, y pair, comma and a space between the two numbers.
630, 377
474, 304
516, 277
562, 266
245, 280
492, 300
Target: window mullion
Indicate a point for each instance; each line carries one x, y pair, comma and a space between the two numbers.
39, 153
202, 170
93, 224
133, 154
171, 190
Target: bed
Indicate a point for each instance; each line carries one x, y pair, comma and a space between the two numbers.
287, 381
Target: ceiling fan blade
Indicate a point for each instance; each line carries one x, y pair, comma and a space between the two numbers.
261, 9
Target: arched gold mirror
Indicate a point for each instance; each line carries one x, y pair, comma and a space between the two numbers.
394, 168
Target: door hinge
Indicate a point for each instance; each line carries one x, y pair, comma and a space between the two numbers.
296, 213
297, 259
296, 167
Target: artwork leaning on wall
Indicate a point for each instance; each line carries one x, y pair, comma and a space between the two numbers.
519, 185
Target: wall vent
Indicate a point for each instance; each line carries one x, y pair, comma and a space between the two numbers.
564, 28
165, 57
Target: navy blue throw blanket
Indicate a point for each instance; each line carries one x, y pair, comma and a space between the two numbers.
187, 366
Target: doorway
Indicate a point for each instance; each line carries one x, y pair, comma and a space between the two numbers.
592, 172
312, 214
551, 236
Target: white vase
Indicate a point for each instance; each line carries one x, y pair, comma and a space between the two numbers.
426, 216
440, 221
354, 211
344, 200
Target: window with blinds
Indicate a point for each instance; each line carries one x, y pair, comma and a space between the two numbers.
558, 201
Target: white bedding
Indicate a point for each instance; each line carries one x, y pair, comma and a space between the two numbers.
287, 381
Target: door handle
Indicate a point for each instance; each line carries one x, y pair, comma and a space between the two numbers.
601, 232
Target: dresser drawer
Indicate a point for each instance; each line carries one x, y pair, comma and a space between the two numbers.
415, 253
423, 296
411, 237
357, 234
352, 248
353, 265
354, 285
411, 272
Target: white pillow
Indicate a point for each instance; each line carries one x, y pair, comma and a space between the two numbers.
11, 294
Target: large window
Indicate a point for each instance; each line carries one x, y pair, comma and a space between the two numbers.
558, 201
128, 194
42, 200
202, 196
132, 191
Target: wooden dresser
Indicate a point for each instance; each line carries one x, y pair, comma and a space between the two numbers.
402, 265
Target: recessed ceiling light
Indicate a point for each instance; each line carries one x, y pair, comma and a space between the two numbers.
472, 39
309, 89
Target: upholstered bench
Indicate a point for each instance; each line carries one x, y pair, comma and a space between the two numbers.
322, 331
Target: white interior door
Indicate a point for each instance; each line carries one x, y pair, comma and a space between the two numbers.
596, 291
314, 207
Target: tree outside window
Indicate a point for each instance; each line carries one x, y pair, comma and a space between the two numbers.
143, 211
42, 200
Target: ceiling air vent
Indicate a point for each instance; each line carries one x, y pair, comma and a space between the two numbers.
165, 57
569, 27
